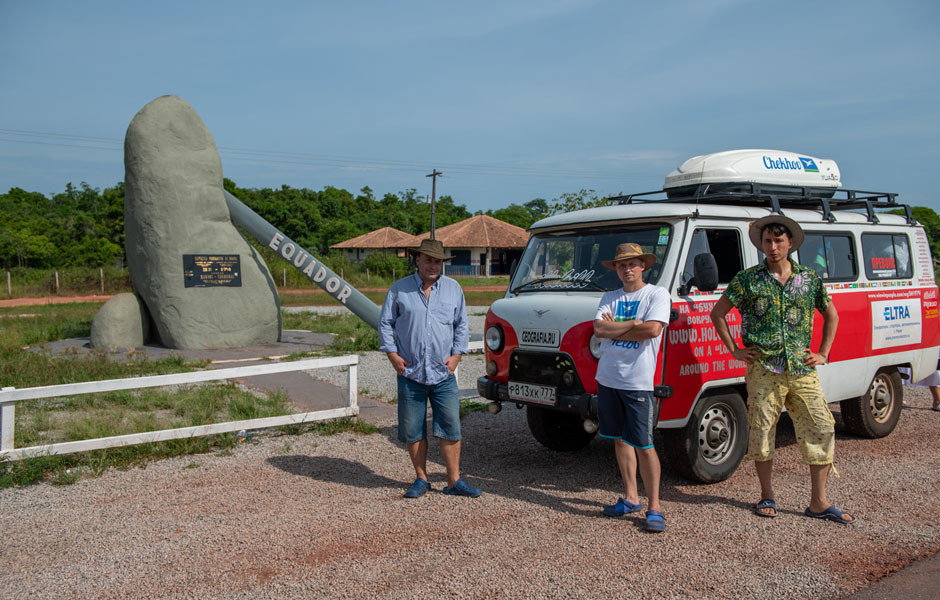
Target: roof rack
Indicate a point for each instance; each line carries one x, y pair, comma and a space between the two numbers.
776, 197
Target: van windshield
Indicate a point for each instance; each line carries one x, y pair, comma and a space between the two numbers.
570, 261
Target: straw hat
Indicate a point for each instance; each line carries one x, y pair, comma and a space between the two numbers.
757, 227
433, 248
625, 251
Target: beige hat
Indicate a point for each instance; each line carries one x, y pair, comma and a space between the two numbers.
433, 248
625, 251
757, 227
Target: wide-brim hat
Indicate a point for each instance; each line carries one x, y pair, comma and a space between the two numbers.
757, 227
433, 248
625, 251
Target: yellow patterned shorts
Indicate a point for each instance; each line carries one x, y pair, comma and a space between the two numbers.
768, 393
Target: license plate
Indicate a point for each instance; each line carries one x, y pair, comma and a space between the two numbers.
530, 392
539, 337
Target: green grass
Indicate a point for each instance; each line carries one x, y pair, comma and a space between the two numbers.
469, 406
352, 333
35, 326
344, 426
89, 416
73, 281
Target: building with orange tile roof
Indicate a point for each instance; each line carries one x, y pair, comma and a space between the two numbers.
480, 245
387, 239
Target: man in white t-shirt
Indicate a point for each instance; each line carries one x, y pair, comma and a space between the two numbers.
630, 323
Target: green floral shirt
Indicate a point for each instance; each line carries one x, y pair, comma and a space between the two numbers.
778, 319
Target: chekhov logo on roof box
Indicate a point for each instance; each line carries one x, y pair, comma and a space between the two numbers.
785, 164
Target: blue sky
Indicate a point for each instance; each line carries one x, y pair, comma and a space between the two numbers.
511, 100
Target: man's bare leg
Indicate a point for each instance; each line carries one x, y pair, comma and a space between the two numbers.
935, 393
765, 471
418, 451
818, 476
626, 461
650, 472
450, 450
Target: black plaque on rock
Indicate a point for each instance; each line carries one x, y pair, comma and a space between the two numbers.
212, 270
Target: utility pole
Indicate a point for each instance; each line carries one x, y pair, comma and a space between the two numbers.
433, 175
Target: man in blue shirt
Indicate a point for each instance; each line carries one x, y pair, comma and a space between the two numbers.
423, 330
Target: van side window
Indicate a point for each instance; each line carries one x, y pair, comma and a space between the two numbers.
723, 244
887, 256
832, 256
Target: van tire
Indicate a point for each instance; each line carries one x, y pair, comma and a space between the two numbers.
557, 430
712, 444
875, 414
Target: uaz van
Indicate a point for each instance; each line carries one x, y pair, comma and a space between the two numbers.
541, 352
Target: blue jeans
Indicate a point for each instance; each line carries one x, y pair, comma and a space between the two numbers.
413, 409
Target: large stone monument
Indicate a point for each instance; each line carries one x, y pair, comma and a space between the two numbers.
200, 281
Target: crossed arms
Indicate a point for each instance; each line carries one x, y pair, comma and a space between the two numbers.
633, 330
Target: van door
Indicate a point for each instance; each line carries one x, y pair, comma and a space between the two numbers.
696, 358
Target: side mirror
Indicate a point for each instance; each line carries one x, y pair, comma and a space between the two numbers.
705, 275
512, 268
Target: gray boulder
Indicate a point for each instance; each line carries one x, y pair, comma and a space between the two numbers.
173, 206
121, 324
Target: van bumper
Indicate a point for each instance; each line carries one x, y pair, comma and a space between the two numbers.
583, 405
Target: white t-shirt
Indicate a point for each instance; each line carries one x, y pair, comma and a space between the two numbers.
630, 365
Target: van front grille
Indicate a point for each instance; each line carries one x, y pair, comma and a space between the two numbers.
545, 368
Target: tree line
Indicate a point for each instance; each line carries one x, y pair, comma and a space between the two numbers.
84, 226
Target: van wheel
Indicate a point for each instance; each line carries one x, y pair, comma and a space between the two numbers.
875, 414
711, 446
557, 430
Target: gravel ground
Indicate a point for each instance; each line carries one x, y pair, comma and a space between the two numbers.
322, 516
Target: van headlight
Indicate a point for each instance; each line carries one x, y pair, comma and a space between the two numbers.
494, 338
595, 345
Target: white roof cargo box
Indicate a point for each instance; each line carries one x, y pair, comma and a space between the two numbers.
767, 167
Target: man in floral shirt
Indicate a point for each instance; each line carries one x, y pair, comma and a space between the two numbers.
777, 300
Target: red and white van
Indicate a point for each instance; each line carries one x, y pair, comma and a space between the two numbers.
541, 352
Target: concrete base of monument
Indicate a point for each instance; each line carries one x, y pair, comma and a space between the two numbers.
305, 391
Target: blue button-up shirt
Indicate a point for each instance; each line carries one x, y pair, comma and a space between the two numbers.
424, 331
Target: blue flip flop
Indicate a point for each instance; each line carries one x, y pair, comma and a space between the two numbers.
462, 488
655, 521
766, 503
832, 513
622, 508
418, 488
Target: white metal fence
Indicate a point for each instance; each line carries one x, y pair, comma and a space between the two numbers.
10, 396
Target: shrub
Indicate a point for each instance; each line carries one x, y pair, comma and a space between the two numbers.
385, 264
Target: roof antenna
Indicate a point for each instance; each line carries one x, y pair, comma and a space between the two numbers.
700, 191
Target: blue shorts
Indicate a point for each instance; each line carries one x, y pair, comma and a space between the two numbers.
626, 415
413, 409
